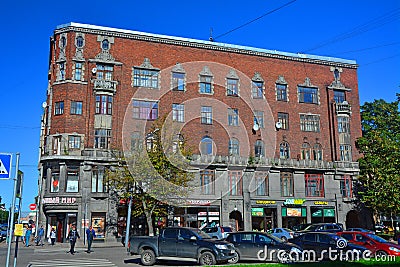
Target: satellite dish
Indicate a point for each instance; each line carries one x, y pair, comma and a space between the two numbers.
256, 127
44, 105
278, 125
94, 70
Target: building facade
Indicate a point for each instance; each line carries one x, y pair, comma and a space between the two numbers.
272, 133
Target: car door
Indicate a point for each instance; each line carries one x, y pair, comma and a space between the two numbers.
278, 233
167, 242
246, 246
325, 242
186, 247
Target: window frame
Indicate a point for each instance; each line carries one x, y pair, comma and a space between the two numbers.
287, 184
233, 117
233, 147
104, 72
74, 142
145, 110
314, 185
345, 152
206, 115
178, 83
259, 148
78, 71
232, 87
284, 150
308, 95
59, 108
98, 180
259, 118
346, 186
104, 104
281, 92
283, 118
178, 112
206, 143
207, 178
257, 89
76, 107
262, 184
102, 138
235, 183
205, 84
310, 123
339, 96
72, 183
146, 78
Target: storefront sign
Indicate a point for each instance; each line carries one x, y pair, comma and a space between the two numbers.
210, 213
294, 201
294, 212
199, 202
320, 202
265, 202
325, 212
59, 200
257, 212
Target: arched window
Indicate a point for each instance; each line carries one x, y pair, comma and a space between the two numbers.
284, 150
305, 151
233, 147
206, 146
259, 150
317, 151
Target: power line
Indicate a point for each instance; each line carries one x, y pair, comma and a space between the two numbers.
18, 127
379, 60
370, 25
368, 48
251, 21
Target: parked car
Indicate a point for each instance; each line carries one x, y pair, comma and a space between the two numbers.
300, 227
183, 243
321, 227
377, 245
218, 232
360, 230
283, 233
249, 244
3, 233
316, 247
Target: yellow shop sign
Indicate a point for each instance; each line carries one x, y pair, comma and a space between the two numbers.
320, 202
265, 202
294, 201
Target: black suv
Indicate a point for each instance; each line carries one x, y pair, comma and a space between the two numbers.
321, 227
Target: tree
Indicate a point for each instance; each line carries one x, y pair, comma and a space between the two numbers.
156, 173
379, 166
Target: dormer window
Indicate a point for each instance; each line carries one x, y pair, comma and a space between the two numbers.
105, 45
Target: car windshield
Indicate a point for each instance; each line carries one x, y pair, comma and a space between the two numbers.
287, 230
311, 227
200, 234
377, 238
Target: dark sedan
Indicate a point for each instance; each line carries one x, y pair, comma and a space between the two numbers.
321, 227
258, 246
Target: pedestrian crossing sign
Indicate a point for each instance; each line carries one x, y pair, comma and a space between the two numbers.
5, 166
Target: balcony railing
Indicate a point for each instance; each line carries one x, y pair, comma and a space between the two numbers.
101, 153
102, 85
343, 108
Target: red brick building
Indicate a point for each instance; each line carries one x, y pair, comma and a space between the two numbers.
272, 133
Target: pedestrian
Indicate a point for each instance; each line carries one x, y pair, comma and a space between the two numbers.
28, 235
39, 239
72, 236
90, 233
53, 236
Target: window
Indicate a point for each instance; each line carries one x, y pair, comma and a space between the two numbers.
305, 151
233, 116
145, 78
76, 107
232, 87
308, 95
235, 183
317, 152
145, 110
178, 112
261, 184
206, 146
207, 182
287, 184
346, 187
78, 71
314, 185
98, 181
72, 180
339, 96
63, 41
283, 118
257, 89
59, 108
259, 118
136, 141
206, 115
284, 150
61, 73
259, 150
178, 81
104, 104
343, 124
151, 144
233, 147
345, 152
309, 123
205, 84
104, 72
105, 44
55, 182
102, 138
177, 142
79, 41
281, 92
74, 142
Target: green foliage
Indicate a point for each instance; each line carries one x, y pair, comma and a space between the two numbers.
380, 164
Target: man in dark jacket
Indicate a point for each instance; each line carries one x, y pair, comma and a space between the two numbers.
72, 236
90, 233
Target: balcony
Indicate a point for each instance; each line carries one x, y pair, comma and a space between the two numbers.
101, 153
343, 108
108, 86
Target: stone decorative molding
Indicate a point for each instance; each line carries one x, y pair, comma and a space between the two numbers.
337, 84
232, 75
257, 77
79, 50
206, 71
281, 80
146, 65
178, 68
307, 83
105, 55
62, 43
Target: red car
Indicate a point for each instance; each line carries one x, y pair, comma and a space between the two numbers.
377, 245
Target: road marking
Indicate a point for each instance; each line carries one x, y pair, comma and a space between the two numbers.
77, 262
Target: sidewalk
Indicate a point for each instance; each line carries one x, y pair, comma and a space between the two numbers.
79, 244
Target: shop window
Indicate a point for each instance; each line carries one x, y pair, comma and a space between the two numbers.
235, 183
287, 184
207, 182
98, 224
72, 183
314, 184
55, 182
346, 187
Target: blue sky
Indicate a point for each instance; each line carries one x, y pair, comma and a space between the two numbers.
362, 30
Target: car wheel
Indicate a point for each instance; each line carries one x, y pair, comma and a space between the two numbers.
284, 238
207, 258
235, 258
148, 257
381, 253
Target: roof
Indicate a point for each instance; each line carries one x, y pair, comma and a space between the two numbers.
209, 44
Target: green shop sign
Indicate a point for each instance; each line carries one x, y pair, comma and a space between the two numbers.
257, 212
294, 201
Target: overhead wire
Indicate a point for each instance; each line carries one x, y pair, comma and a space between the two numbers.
368, 48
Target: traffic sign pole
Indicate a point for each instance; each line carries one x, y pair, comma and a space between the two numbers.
11, 226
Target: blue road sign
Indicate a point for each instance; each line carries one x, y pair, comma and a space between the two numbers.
5, 166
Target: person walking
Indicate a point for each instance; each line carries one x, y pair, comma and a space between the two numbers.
90, 233
72, 236
39, 239
28, 235
53, 236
